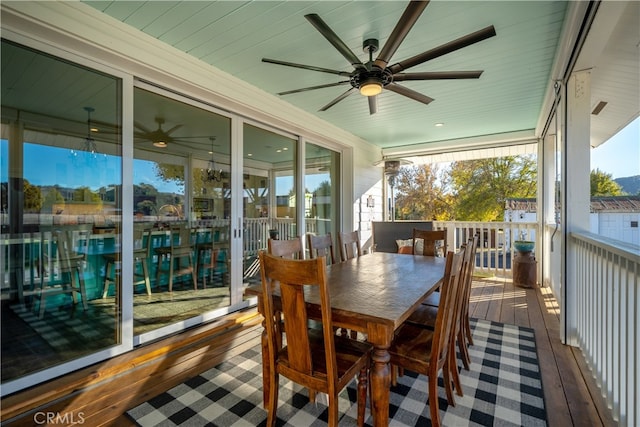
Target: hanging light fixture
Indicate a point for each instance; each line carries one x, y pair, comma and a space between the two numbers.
212, 173
89, 144
391, 172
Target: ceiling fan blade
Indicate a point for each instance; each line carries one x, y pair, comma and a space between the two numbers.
176, 127
192, 137
409, 93
304, 89
454, 45
141, 127
373, 104
338, 99
409, 17
437, 75
307, 67
333, 38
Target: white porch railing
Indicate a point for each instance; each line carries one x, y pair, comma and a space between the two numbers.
495, 248
256, 231
608, 303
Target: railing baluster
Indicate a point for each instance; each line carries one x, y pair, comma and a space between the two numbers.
607, 308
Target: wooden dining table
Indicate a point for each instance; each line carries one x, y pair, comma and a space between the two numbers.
373, 294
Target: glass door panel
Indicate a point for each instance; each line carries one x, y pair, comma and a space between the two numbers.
269, 193
322, 183
182, 202
61, 180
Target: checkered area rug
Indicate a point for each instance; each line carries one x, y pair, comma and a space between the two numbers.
502, 388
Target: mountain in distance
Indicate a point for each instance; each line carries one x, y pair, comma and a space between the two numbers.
629, 184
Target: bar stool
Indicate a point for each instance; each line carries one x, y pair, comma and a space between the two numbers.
141, 254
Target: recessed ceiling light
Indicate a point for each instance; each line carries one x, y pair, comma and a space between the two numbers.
249, 155
285, 148
439, 125
278, 151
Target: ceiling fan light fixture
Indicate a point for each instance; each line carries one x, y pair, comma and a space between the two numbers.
160, 144
370, 88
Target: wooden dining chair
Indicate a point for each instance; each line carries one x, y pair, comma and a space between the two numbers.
431, 242
321, 246
350, 246
426, 315
314, 358
291, 248
427, 351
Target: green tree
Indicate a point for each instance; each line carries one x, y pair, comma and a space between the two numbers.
602, 184
52, 197
323, 189
480, 187
32, 197
421, 193
84, 194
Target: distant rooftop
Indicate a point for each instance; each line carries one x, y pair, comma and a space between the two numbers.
598, 204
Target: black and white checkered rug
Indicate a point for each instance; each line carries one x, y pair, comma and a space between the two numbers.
502, 388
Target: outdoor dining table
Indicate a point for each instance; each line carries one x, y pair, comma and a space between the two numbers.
372, 294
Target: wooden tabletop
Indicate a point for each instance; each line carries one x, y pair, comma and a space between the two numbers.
380, 287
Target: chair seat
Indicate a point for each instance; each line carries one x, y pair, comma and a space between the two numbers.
424, 315
351, 356
411, 347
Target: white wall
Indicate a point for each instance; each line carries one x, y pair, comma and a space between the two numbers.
616, 225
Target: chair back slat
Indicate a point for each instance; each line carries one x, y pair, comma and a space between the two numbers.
291, 248
431, 239
350, 246
321, 246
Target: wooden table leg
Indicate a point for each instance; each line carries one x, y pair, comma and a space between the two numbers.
380, 384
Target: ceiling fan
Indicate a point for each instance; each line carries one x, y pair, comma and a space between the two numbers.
371, 77
162, 138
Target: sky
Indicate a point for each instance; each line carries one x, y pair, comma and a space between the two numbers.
620, 155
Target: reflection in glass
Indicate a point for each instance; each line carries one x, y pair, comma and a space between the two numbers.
322, 182
182, 201
61, 210
269, 193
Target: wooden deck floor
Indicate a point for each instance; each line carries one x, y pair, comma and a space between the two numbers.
571, 394
108, 389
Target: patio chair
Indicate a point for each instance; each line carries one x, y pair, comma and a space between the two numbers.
67, 273
321, 246
314, 358
291, 249
434, 242
426, 314
350, 246
180, 248
427, 351
141, 255
206, 250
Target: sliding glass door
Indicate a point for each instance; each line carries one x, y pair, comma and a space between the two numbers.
322, 184
181, 178
269, 193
